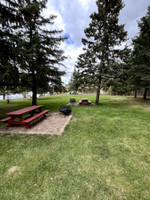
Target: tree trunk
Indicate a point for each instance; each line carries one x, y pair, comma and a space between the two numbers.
135, 94
4, 95
98, 91
34, 98
34, 90
7, 92
145, 93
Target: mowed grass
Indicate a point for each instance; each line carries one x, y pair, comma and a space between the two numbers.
103, 154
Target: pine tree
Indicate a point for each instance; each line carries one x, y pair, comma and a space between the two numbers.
40, 55
87, 70
9, 21
141, 55
28, 48
75, 81
103, 36
118, 77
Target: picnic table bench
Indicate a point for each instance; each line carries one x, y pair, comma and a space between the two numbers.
16, 117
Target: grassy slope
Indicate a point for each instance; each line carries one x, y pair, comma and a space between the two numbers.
104, 153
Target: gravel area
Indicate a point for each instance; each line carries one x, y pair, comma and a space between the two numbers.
53, 124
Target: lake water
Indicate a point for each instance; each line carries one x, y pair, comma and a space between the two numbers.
13, 96
20, 96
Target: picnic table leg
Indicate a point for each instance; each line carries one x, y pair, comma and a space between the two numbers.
12, 120
9, 125
21, 119
26, 126
9, 122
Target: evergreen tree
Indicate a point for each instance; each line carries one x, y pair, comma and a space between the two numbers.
75, 82
119, 81
56, 84
9, 21
87, 70
103, 36
40, 55
118, 77
141, 55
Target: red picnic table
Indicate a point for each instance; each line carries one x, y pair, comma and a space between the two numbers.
84, 101
16, 117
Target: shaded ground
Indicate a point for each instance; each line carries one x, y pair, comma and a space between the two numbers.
77, 104
53, 124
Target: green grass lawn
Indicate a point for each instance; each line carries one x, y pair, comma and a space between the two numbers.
103, 154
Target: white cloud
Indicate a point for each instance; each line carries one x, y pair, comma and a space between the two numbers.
58, 23
75, 15
131, 13
72, 53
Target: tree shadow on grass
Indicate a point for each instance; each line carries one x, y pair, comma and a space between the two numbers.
42, 98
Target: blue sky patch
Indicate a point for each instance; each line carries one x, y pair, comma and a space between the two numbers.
69, 40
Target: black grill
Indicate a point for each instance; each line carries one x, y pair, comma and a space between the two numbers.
72, 100
66, 110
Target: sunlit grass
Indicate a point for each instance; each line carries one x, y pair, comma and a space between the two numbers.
103, 154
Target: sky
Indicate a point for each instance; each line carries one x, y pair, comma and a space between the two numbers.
73, 18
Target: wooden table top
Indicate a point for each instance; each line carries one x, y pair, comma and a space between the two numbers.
24, 110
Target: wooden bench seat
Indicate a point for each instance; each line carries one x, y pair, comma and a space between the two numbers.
35, 116
5, 120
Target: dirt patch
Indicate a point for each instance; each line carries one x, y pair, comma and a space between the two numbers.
73, 104
77, 104
53, 124
13, 169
